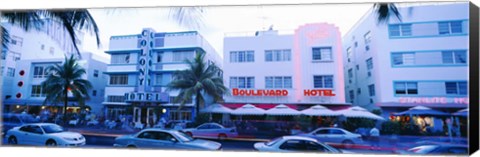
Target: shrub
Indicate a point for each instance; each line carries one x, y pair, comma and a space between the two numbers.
409, 129
390, 127
202, 118
351, 124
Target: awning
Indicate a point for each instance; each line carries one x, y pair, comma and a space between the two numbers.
461, 113
282, 110
248, 109
358, 112
216, 108
319, 110
422, 111
431, 105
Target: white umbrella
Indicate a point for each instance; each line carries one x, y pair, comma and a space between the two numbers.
319, 110
463, 113
358, 112
216, 108
248, 109
282, 110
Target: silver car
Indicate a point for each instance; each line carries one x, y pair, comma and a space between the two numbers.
294, 144
211, 130
164, 139
335, 136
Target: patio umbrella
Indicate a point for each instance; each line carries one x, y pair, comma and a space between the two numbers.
461, 113
248, 109
282, 110
358, 112
319, 110
421, 111
216, 108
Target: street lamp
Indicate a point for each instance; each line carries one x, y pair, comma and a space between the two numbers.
164, 110
43, 107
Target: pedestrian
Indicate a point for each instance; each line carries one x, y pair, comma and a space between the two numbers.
375, 138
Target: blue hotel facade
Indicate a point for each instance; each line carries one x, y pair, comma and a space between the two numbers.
421, 60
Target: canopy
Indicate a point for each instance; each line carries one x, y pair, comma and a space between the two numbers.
282, 110
423, 111
461, 113
248, 109
358, 112
319, 110
216, 108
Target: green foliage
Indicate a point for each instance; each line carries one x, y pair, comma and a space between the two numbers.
409, 129
390, 127
377, 112
201, 118
351, 124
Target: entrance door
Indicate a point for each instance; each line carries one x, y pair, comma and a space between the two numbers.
137, 114
150, 117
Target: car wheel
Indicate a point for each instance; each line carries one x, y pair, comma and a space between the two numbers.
347, 144
51, 143
12, 140
189, 134
222, 136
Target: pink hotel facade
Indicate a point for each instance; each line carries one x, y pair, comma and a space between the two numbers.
299, 69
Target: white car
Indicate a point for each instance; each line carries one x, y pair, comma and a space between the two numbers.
43, 134
335, 136
211, 130
295, 144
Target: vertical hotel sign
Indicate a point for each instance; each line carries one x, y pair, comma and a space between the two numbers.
144, 60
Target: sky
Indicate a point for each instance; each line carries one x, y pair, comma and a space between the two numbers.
219, 20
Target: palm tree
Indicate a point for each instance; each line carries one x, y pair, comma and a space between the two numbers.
385, 11
71, 20
63, 79
198, 80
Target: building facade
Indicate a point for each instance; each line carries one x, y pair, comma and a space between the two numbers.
420, 60
298, 69
142, 65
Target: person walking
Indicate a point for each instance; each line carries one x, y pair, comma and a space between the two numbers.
375, 138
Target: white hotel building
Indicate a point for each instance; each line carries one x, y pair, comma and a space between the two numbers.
420, 60
299, 69
142, 65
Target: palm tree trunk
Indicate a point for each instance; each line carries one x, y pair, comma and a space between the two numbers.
65, 101
197, 105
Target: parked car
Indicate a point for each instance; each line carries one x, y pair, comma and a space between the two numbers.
211, 130
295, 144
440, 149
335, 136
43, 134
164, 139
11, 120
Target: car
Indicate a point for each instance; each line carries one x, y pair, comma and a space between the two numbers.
11, 120
335, 136
43, 134
294, 144
211, 130
164, 139
437, 149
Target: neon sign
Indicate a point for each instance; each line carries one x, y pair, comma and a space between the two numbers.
433, 100
279, 92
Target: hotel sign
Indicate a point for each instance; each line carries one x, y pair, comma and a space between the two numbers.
433, 100
146, 97
279, 92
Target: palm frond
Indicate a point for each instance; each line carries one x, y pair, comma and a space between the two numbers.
24, 19
189, 17
385, 11
5, 37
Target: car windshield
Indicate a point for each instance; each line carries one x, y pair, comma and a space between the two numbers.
183, 137
52, 129
272, 142
332, 148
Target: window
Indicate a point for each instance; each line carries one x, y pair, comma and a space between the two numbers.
40, 71
120, 58
242, 56
452, 27
454, 57
369, 63
15, 40
349, 52
180, 56
118, 79
4, 54
278, 82
368, 37
407, 88
159, 79
114, 98
352, 95
37, 91
322, 53
359, 91
350, 73
278, 55
371, 90
403, 58
159, 57
42, 47
358, 67
458, 88
323, 81
11, 72
1, 71
242, 82
52, 50
400, 30
95, 73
